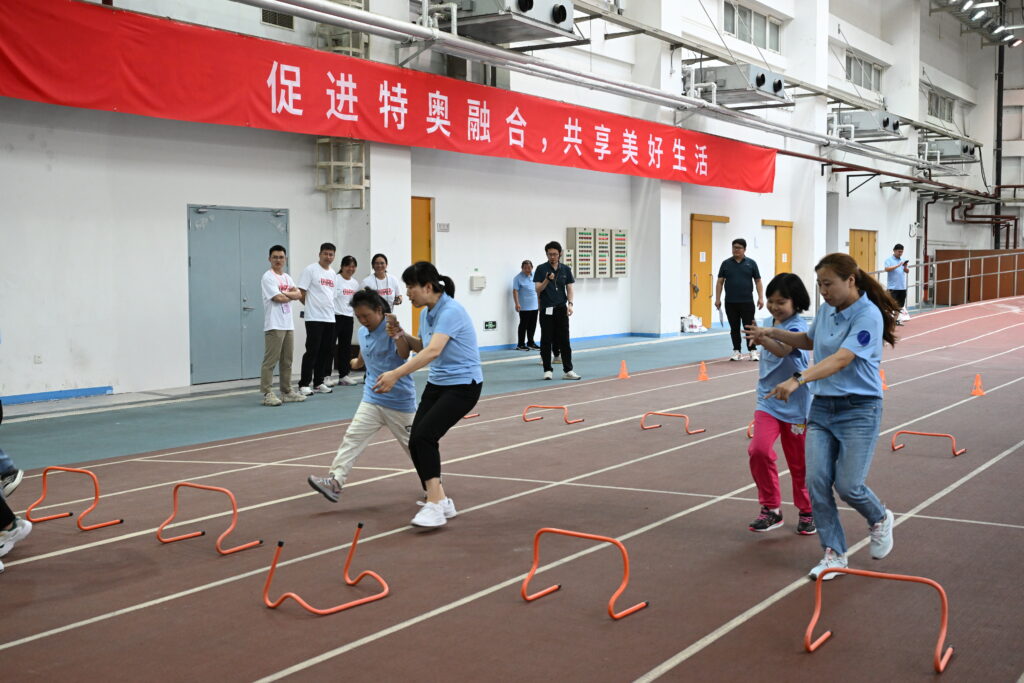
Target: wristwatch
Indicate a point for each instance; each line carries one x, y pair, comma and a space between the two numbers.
799, 377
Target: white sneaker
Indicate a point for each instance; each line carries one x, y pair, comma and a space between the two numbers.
755, 355
330, 382
430, 515
881, 536
323, 389
447, 506
347, 381
736, 355
292, 397
21, 529
305, 391
271, 399
547, 374
571, 375
832, 560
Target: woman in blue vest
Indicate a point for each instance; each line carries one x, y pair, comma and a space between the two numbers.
447, 343
842, 428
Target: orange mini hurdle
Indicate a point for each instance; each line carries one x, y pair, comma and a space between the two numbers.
948, 436
565, 414
385, 589
551, 589
644, 425
95, 502
940, 659
470, 416
220, 539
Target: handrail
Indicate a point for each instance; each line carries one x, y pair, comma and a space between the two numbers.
551, 589
95, 501
220, 539
940, 659
385, 589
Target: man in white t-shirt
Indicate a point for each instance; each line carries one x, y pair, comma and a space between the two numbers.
279, 291
317, 284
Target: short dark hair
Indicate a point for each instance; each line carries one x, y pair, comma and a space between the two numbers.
423, 273
740, 241
327, 246
348, 261
790, 286
898, 247
553, 245
377, 256
371, 299
276, 247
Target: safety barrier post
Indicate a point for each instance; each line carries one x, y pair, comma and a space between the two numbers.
948, 436
565, 414
95, 501
940, 659
220, 539
551, 589
644, 425
385, 589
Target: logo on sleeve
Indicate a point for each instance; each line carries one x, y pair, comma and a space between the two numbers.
794, 329
863, 337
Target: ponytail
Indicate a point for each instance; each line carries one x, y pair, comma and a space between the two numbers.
844, 266
423, 273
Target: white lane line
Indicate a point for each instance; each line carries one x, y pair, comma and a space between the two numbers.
956, 324
749, 614
954, 367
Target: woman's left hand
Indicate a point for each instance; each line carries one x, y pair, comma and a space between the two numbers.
756, 335
398, 300
385, 381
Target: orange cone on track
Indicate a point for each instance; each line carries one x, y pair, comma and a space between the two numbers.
977, 390
885, 387
702, 376
623, 372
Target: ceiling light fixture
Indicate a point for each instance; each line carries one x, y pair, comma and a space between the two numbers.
979, 14
1008, 37
1016, 43
986, 4
999, 29
967, 5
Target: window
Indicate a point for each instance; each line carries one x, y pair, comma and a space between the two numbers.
940, 107
278, 19
751, 27
863, 73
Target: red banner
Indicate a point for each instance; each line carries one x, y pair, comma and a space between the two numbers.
84, 55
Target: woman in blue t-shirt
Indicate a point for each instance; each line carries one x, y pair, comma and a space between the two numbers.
783, 420
842, 429
447, 343
394, 410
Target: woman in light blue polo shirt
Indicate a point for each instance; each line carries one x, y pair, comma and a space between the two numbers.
524, 295
842, 429
447, 343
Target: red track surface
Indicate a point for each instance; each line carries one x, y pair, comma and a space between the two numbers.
726, 604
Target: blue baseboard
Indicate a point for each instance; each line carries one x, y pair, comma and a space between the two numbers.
655, 335
56, 395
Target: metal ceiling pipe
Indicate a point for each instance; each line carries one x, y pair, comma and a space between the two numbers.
368, 22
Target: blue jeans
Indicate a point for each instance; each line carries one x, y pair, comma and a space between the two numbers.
6, 464
841, 436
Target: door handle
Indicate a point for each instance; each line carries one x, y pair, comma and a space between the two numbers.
248, 308
693, 285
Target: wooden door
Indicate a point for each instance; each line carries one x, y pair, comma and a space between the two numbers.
702, 273
422, 246
862, 249
783, 245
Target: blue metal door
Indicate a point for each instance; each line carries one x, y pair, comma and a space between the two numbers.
227, 251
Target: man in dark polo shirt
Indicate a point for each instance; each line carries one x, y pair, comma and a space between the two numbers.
736, 274
553, 281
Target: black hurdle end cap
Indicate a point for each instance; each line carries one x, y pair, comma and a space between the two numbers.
280, 544
359, 526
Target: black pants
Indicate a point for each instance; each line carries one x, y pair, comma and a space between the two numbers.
316, 361
527, 324
736, 313
343, 354
554, 334
6, 514
900, 296
441, 407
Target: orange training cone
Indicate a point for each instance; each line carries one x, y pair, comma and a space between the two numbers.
623, 372
885, 387
702, 376
977, 391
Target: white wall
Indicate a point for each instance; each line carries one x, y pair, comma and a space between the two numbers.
502, 211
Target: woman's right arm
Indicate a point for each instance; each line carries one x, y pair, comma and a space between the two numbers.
796, 340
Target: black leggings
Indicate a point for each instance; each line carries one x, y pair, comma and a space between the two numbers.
6, 515
527, 325
441, 407
736, 313
343, 354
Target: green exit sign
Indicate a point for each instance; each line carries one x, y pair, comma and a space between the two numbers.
490, 324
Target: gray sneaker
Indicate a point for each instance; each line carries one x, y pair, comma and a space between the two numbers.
10, 481
271, 399
832, 560
292, 397
881, 536
328, 486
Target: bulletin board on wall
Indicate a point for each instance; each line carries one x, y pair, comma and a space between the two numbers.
598, 252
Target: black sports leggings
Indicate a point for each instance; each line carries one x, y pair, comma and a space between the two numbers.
441, 407
737, 313
527, 325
